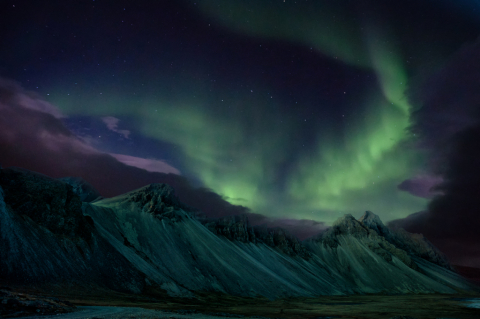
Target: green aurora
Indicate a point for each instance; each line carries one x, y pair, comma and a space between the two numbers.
236, 142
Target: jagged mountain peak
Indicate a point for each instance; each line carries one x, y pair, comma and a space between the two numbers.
344, 219
347, 224
369, 217
82, 188
348, 228
371, 226
155, 190
157, 199
146, 194
374, 222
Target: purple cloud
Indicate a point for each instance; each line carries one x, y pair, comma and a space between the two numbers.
150, 165
112, 125
421, 186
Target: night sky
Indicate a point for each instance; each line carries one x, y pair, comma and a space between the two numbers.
297, 112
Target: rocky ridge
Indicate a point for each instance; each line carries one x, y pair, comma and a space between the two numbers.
413, 244
148, 237
82, 188
45, 238
237, 228
158, 200
349, 226
46, 201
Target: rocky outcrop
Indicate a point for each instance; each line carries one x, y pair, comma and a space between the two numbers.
83, 189
283, 241
45, 201
158, 200
349, 226
373, 222
237, 228
418, 245
46, 240
413, 244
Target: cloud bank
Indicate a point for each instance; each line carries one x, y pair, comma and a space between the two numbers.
448, 122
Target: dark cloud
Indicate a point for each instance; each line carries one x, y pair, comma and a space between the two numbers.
448, 102
33, 136
420, 186
448, 123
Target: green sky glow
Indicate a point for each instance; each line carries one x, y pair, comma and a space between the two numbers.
323, 25
237, 144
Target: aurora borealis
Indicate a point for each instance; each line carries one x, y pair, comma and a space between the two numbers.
294, 109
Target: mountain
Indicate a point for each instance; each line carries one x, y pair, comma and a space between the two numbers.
147, 237
414, 244
82, 188
360, 253
180, 254
47, 241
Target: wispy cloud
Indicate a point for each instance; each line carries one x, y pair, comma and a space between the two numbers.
112, 125
151, 165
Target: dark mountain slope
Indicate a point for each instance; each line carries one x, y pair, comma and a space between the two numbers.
148, 237
46, 240
165, 241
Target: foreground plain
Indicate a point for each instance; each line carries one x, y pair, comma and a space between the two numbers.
353, 306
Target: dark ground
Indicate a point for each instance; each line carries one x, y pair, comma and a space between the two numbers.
18, 304
21, 301
355, 306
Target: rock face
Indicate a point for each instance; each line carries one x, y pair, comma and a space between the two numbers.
414, 244
46, 239
148, 237
364, 251
282, 241
178, 253
369, 237
84, 190
158, 200
47, 202
181, 254
237, 228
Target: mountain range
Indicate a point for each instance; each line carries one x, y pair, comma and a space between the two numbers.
60, 233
